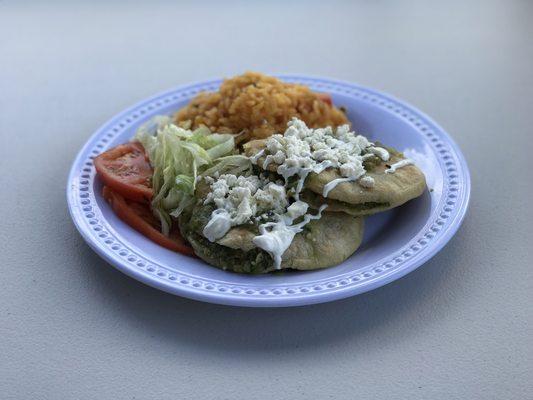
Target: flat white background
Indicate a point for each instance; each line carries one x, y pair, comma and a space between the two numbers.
72, 327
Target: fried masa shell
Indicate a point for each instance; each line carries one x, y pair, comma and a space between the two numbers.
323, 243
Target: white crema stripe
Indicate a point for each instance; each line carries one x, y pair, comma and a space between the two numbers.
399, 164
276, 237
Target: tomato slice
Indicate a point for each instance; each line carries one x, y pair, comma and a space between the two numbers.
140, 218
326, 98
127, 171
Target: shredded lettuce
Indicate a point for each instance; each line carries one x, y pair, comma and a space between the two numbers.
234, 164
178, 156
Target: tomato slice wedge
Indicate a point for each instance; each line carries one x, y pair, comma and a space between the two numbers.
127, 171
326, 98
140, 218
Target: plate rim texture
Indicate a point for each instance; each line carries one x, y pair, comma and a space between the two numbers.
442, 223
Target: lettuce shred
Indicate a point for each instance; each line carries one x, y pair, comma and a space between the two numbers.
178, 156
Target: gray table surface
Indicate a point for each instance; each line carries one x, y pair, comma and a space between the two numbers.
72, 327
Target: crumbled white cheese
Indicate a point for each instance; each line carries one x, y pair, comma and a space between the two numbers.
218, 225
301, 150
241, 198
297, 209
366, 181
351, 169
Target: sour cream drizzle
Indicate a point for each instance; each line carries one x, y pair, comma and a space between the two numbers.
276, 237
328, 187
399, 164
287, 172
380, 152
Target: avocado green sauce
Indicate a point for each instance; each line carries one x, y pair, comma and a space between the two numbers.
192, 222
255, 261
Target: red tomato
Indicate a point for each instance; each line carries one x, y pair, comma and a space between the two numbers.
326, 98
126, 170
140, 218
